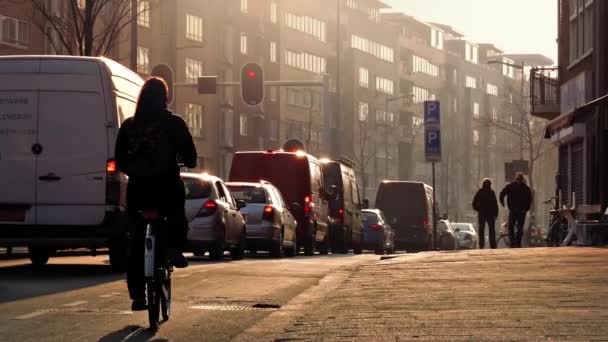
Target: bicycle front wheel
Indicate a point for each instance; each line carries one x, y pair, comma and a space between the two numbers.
165, 300
153, 304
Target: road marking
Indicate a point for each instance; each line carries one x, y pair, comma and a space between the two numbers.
80, 302
231, 308
32, 314
182, 275
111, 294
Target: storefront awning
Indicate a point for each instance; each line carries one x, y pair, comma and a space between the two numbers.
567, 119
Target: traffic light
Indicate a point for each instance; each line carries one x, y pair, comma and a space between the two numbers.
166, 73
252, 84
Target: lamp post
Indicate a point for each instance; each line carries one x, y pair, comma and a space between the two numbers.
523, 108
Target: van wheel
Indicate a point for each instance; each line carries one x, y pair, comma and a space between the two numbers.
216, 253
198, 252
39, 256
358, 248
309, 244
118, 255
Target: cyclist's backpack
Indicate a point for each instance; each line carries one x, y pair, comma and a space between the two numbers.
151, 153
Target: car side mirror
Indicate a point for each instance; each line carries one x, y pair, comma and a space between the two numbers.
240, 204
365, 204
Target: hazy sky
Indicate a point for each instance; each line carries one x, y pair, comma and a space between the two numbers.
515, 26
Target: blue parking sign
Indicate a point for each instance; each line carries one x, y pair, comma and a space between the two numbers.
432, 131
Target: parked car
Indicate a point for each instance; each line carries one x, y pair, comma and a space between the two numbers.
377, 234
215, 223
466, 235
446, 236
408, 206
299, 178
60, 186
345, 229
270, 224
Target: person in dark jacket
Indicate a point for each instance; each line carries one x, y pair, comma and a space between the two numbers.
149, 147
486, 206
519, 199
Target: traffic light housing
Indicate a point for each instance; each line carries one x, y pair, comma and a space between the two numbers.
252, 84
166, 73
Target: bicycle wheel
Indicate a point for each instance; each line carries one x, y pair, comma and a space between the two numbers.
503, 241
153, 304
165, 302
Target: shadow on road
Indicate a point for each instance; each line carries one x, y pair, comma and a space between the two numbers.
132, 333
25, 281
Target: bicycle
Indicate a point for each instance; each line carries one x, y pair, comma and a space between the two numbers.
503, 240
157, 271
558, 225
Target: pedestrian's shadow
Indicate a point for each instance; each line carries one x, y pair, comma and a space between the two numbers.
132, 333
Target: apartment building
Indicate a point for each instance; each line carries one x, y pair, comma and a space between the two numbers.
18, 33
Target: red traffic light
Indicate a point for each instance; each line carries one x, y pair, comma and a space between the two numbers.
252, 84
251, 74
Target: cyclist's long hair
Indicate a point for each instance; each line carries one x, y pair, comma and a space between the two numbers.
152, 101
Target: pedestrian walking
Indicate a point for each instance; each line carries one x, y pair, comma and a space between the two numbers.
519, 200
486, 206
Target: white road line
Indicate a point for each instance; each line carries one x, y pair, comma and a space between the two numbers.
32, 314
111, 294
80, 302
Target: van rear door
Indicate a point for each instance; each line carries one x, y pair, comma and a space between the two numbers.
71, 177
18, 121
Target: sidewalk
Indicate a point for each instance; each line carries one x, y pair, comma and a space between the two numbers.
558, 294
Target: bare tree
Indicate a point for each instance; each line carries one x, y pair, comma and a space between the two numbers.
84, 27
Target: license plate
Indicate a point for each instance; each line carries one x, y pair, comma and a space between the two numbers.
12, 214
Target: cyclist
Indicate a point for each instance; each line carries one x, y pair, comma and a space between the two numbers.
519, 199
148, 148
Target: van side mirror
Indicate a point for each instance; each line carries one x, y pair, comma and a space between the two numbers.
240, 204
365, 204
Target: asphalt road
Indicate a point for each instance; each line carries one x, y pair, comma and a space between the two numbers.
77, 298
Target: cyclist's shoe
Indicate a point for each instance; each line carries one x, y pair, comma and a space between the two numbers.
177, 259
139, 304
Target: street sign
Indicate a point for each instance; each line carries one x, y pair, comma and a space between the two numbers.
432, 131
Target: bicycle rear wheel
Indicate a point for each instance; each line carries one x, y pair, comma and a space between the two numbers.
165, 301
153, 303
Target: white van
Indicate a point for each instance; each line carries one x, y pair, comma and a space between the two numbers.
59, 118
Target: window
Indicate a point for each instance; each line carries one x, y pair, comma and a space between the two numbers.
15, 31
476, 110
375, 49
143, 15
305, 61
311, 26
194, 69
143, 60
436, 39
420, 94
273, 52
374, 15
352, 4
364, 77
494, 114
274, 94
274, 130
244, 6
422, 65
492, 89
475, 137
244, 125
471, 53
385, 85
363, 111
194, 119
507, 68
471, 82
581, 28
243, 44
417, 121
194, 28
273, 12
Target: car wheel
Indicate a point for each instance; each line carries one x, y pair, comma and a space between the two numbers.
216, 253
238, 252
293, 250
324, 246
198, 252
39, 256
118, 255
277, 248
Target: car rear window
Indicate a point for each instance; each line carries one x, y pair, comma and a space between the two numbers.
197, 188
249, 194
402, 200
370, 218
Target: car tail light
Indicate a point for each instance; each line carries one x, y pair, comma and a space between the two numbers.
111, 168
268, 213
208, 209
341, 214
375, 226
307, 204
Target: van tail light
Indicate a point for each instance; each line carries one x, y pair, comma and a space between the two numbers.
268, 214
208, 209
307, 204
111, 168
375, 226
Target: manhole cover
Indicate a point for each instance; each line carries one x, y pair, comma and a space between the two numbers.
256, 307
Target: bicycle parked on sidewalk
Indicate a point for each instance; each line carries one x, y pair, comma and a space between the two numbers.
157, 269
503, 240
558, 224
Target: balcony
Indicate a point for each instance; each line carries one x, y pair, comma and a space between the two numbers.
544, 93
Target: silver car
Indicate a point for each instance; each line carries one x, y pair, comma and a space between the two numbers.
466, 235
215, 223
270, 224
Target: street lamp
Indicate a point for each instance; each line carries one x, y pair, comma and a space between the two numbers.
523, 108
387, 101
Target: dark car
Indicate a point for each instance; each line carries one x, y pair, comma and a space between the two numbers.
377, 234
270, 224
408, 207
299, 178
345, 229
215, 223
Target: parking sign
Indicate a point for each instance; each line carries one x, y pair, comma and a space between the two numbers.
432, 131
